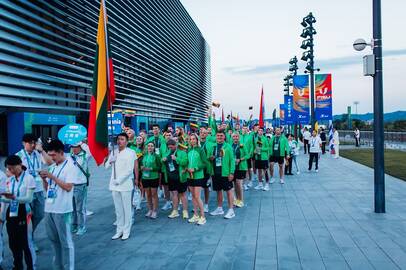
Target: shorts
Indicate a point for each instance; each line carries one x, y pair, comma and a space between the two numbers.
150, 183
261, 164
280, 160
206, 180
239, 175
195, 182
221, 183
176, 185
249, 162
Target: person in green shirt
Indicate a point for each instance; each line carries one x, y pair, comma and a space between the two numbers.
253, 174
278, 151
160, 147
241, 155
151, 168
222, 158
175, 162
205, 145
261, 155
195, 169
246, 140
139, 149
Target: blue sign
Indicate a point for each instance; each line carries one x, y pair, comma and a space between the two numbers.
72, 133
115, 122
290, 118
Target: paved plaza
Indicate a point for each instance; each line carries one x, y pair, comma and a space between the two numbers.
314, 221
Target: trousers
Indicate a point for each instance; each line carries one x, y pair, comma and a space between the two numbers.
123, 207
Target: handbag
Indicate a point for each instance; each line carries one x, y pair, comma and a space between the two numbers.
136, 197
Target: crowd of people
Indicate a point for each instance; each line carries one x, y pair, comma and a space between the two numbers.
215, 158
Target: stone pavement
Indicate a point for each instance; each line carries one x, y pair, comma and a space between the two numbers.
314, 221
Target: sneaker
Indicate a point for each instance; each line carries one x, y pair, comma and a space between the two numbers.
206, 208
282, 181
74, 229
266, 187
115, 223
138, 208
167, 206
89, 213
185, 214
82, 231
219, 211
230, 214
201, 221
117, 236
193, 219
174, 214
241, 204
235, 202
246, 187
298, 172
272, 180
317, 170
148, 214
249, 185
259, 187
154, 215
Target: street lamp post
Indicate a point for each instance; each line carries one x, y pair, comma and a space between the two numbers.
308, 56
373, 67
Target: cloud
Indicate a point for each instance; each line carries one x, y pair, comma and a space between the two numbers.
332, 63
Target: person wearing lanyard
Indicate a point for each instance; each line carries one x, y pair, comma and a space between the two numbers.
160, 147
195, 169
59, 181
151, 168
175, 161
81, 159
205, 145
278, 151
33, 157
315, 148
18, 195
223, 174
241, 155
245, 139
254, 141
306, 139
261, 155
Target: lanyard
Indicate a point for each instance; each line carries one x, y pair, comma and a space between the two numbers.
313, 142
19, 184
217, 150
157, 142
59, 173
31, 165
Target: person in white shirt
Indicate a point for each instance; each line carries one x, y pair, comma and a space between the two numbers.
80, 159
306, 139
33, 158
124, 162
314, 150
336, 143
59, 181
357, 136
18, 195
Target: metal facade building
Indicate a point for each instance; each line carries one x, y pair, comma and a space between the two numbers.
47, 48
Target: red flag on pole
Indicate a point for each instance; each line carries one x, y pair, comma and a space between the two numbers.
261, 109
222, 116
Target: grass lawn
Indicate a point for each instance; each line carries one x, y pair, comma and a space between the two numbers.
395, 161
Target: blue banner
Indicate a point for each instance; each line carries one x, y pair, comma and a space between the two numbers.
282, 114
301, 96
116, 122
290, 118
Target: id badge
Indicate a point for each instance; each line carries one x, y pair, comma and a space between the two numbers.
14, 208
157, 151
146, 173
171, 167
51, 195
276, 147
218, 162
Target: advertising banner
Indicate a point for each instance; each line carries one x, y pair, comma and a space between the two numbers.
290, 118
282, 114
72, 133
324, 108
301, 96
114, 121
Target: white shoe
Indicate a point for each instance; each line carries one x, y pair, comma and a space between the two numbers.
317, 170
230, 214
125, 236
259, 187
89, 213
206, 208
266, 187
115, 223
298, 172
246, 187
154, 215
117, 236
272, 180
281, 181
148, 214
167, 206
219, 211
249, 185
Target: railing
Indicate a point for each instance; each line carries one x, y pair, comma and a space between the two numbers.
395, 140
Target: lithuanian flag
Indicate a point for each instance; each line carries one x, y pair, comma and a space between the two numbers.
103, 91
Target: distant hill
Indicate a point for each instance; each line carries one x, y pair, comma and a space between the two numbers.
388, 117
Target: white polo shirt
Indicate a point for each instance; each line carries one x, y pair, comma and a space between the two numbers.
315, 144
66, 172
21, 186
33, 162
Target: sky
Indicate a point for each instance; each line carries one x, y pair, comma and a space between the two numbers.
251, 42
